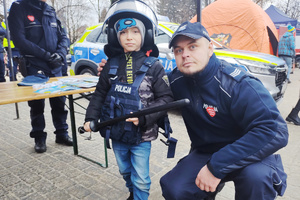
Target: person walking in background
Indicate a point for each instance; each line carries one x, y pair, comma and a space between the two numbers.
2, 66
36, 32
286, 49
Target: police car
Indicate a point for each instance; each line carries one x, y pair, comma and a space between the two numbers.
88, 52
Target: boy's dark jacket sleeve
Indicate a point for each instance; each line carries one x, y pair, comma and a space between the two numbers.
94, 108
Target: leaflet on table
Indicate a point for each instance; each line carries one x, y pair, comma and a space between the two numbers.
83, 82
55, 89
73, 83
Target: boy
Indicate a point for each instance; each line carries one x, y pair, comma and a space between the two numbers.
132, 147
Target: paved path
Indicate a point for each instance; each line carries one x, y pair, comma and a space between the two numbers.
59, 175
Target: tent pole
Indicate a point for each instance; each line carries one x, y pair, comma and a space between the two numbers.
199, 11
9, 51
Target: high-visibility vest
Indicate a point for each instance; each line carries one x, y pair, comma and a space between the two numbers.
5, 44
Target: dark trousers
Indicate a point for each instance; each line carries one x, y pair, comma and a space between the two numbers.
261, 180
2, 68
58, 112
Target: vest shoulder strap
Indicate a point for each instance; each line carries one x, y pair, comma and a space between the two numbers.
114, 65
148, 63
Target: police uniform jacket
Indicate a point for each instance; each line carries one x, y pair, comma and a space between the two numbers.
231, 116
37, 32
153, 91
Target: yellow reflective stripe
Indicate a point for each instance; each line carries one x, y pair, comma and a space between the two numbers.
3, 25
84, 36
87, 32
5, 44
170, 30
236, 55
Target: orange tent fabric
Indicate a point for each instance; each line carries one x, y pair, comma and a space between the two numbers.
240, 24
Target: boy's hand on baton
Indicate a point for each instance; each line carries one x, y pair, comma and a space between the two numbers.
134, 120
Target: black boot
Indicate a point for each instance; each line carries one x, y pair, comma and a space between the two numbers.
130, 196
293, 116
64, 139
40, 144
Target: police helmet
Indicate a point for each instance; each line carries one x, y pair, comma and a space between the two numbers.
131, 9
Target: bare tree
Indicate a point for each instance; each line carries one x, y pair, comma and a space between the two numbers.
74, 15
100, 7
177, 10
290, 7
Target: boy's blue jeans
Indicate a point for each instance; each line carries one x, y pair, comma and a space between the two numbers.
133, 162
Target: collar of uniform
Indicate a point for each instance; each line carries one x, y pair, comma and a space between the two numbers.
208, 73
37, 4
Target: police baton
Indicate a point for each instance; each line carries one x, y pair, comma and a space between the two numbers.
95, 126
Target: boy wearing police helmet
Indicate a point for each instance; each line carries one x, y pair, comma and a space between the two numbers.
126, 85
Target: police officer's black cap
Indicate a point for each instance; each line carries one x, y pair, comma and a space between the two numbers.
191, 30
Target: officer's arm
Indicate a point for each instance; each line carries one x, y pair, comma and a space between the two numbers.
263, 130
101, 65
63, 41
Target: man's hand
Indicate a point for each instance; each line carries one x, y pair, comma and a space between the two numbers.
206, 181
55, 60
101, 65
87, 127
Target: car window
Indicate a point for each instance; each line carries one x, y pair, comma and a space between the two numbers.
102, 38
162, 37
92, 37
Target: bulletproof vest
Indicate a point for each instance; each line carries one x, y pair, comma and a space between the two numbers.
122, 99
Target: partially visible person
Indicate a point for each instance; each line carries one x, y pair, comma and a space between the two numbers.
294, 114
232, 121
126, 85
286, 49
2, 66
36, 31
15, 54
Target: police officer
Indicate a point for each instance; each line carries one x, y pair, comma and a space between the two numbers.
232, 121
37, 33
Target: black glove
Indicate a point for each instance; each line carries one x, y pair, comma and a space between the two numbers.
55, 61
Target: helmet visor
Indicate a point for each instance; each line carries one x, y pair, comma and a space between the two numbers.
134, 7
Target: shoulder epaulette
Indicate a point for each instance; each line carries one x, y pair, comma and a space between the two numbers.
234, 71
229, 75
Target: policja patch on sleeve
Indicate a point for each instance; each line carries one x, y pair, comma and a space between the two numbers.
166, 80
